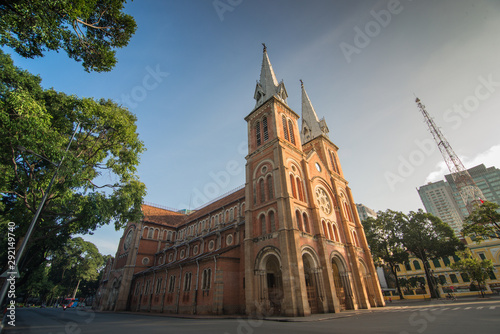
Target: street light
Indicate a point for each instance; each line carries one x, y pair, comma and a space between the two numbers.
20, 252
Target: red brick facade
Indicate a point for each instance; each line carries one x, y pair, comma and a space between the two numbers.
289, 242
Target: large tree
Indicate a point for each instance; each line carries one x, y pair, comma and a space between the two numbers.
89, 31
97, 182
427, 237
483, 222
384, 240
477, 270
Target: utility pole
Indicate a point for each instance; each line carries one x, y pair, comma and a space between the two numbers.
469, 191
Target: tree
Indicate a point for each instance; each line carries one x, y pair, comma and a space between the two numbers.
88, 31
477, 270
483, 222
96, 185
385, 241
77, 261
427, 237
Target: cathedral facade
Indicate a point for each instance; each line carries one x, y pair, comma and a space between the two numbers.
289, 242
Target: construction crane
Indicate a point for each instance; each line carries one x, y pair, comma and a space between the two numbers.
467, 188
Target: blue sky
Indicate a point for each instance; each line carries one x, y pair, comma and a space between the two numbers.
189, 75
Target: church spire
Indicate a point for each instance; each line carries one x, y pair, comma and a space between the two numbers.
312, 127
268, 85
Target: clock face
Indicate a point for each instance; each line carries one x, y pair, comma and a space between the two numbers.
128, 241
323, 201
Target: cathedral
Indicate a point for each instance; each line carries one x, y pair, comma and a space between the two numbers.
289, 242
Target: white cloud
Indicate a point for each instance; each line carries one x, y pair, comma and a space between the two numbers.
489, 158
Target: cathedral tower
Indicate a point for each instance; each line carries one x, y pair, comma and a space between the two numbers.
305, 250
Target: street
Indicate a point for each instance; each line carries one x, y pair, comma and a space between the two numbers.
438, 317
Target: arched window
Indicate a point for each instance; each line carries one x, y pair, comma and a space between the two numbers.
355, 238
299, 189
292, 182
272, 222
231, 214
150, 233
336, 233
325, 230
187, 281
334, 162
416, 264
285, 128
347, 212
264, 126
145, 232
306, 224
290, 128
257, 133
330, 229
270, 187
206, 279
262, 191
263, 224
169, 236
453, 278
299, 220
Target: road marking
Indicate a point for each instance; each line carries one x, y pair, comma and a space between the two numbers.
492, 307
456, 308
468, 308
479, 308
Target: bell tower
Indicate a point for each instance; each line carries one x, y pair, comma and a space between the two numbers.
271, 276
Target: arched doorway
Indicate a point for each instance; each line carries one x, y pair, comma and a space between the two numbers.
367, 280
273, 284
312, 287
342, 284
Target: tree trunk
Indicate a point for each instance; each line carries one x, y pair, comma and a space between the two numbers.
398, 287
76, 289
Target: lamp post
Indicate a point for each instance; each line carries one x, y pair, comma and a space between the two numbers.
20, 252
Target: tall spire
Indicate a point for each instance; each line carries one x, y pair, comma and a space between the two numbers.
268, 85
312, 127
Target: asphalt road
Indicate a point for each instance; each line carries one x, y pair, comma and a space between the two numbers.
473, 316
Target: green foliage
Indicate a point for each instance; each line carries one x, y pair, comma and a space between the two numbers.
427, 237
384, 240
477, 270
483, 222
97, 183
88, 31
74, 262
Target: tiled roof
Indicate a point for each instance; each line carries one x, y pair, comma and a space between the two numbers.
162, 216
175, 219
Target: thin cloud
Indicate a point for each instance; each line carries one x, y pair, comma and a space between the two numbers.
489, 158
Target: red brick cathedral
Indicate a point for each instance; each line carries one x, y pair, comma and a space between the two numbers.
289, 242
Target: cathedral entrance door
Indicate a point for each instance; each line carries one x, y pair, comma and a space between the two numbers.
339, 286
274, 285
311, 289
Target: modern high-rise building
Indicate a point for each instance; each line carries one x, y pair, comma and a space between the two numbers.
365, 212
443, 200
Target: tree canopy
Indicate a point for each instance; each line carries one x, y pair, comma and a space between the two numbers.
483, 222
96, 185
77, 263
477, 270
89, 31
427, 237
384, 239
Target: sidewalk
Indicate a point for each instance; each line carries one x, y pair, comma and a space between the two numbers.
396, 304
